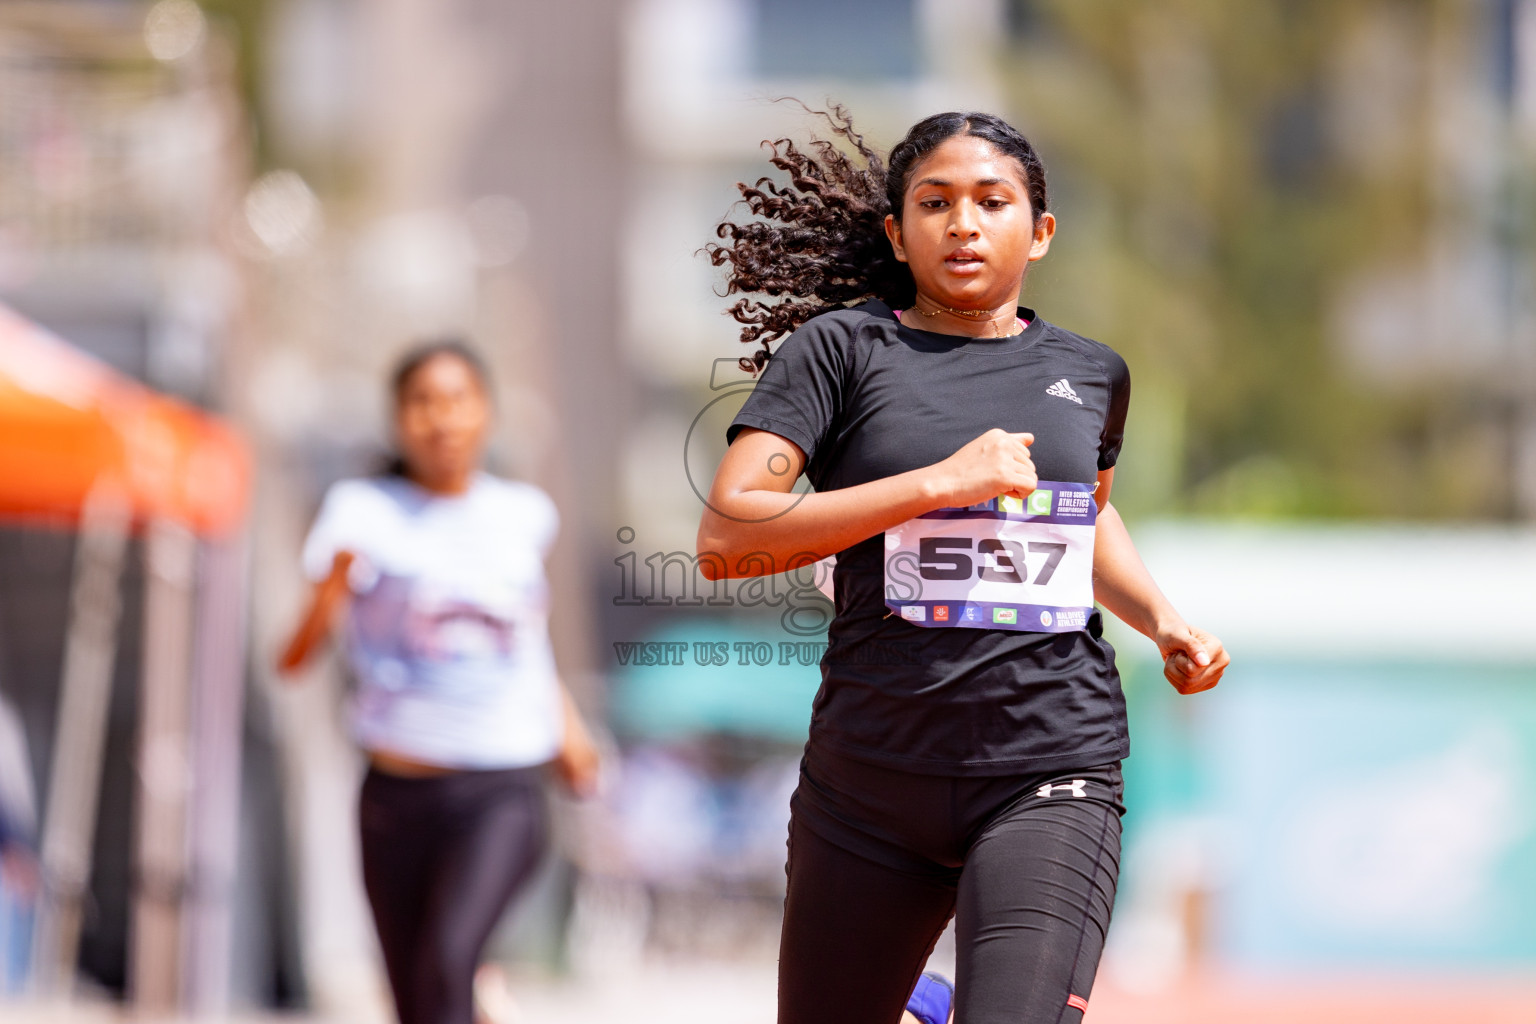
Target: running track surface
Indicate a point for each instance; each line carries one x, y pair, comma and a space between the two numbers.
738, 994
743, 994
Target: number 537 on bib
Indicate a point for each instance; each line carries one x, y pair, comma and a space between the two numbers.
1004, 564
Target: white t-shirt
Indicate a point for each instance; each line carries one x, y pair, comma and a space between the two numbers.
448, 631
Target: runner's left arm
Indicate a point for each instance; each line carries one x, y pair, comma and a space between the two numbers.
1193, 660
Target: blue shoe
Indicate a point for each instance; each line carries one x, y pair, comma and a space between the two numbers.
932, 998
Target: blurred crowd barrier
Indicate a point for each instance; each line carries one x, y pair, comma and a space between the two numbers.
124, 505
1355, 796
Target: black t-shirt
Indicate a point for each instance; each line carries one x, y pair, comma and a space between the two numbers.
866, 397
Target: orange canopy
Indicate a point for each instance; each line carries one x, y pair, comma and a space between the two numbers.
69, 423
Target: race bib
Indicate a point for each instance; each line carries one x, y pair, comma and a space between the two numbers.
1004, 564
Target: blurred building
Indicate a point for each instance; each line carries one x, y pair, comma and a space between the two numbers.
123, 161
706, 83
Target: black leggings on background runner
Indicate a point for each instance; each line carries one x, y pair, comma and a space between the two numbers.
442, 859
879, 859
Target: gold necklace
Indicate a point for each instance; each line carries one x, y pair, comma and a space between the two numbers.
969, 314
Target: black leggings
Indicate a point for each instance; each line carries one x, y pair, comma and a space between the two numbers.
442, 859
880, 859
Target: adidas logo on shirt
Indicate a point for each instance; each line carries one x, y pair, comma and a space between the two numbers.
1061, 389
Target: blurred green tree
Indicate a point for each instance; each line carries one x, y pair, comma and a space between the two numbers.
1223, 175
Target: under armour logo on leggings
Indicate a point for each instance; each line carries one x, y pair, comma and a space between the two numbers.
1079, 788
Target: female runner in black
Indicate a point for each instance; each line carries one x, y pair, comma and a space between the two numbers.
965, 746
437, 569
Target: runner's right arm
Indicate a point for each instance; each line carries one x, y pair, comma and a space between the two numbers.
579, 763
326, 603
752, 510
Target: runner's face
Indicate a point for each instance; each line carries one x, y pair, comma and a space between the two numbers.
441, 419
967, 230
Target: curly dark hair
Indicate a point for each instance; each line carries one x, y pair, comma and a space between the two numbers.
820, 238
